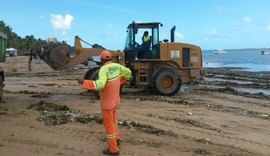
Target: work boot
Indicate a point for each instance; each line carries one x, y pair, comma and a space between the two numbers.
119, 142
108, 152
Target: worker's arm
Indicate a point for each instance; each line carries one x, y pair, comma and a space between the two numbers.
87, 84
125, 74
97, 84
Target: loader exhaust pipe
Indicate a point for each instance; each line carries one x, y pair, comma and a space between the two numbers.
172, 33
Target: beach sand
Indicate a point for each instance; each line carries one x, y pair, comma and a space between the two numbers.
45, 112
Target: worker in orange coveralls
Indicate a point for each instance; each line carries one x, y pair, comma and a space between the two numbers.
110, 77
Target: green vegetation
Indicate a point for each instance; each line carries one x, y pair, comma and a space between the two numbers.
21, 44
15, 41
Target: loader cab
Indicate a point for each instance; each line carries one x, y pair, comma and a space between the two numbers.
134, 40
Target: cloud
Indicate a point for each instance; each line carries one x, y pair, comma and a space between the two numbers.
213, 33
61, 22
268, 28
243, 21
247, 20
110, 26
179, 35
63, 32
221, 9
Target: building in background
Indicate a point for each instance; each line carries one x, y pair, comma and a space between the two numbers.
54, 40
11, 52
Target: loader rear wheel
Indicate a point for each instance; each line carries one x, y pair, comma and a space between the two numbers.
166, 81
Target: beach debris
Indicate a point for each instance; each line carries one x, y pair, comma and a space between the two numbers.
189, 113
202, 151
265, 116
53, 114
206, 141
134, 126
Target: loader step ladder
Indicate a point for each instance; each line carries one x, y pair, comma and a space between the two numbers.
142, 73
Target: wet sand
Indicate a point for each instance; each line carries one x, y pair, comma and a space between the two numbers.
45, 112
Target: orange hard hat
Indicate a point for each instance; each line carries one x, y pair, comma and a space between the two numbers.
105, 55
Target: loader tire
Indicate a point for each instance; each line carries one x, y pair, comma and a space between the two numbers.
89, 73
166, 81
94, 76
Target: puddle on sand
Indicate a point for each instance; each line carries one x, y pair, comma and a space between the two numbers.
59, 96
224, 80
19, 82
239, 89
252, 90
185, 89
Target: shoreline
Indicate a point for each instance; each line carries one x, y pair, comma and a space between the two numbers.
237, 82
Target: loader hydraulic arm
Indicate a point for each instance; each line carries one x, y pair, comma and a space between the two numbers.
58, 57
94, 51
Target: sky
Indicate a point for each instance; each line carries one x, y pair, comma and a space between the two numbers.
210, 24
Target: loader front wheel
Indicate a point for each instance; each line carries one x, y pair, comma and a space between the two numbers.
95, 77
92, 74
166, 81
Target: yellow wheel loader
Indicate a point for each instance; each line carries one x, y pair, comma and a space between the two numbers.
164, 66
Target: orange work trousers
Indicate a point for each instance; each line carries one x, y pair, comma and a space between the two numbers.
110, 124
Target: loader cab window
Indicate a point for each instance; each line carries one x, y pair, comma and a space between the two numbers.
139, 36
155, 37
133, 49
143, 43
129, 49
155, 41
129, 39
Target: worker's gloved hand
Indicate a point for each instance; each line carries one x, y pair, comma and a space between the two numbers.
80, 80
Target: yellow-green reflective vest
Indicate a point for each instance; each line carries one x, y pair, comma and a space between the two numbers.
146, 38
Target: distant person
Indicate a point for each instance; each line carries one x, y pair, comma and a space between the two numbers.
145, 46
32, 55
110, 77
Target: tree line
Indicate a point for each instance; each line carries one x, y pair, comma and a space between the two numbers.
21, 44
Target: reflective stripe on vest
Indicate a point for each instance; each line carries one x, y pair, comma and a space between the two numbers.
108, 72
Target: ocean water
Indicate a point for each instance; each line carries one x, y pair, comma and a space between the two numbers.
248, 59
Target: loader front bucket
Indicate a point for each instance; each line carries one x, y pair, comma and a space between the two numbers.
57, 55
54, 54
